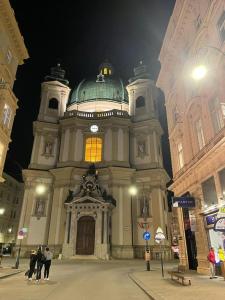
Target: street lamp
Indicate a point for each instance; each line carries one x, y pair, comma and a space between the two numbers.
200, 70
132, 192
2, 211
39, 190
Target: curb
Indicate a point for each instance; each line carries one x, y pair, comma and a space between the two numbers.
10, 274
149, 293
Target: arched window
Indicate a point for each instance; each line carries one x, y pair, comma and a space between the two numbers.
93, 149
216, 114
53, 103
140, 102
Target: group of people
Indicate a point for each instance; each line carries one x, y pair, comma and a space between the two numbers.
38, 259
212, 260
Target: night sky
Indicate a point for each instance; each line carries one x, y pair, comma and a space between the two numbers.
80, 35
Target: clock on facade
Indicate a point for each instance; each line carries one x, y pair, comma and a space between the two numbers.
94, 128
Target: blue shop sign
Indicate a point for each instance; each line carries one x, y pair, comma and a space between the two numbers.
184, 202
146, 235
211, 219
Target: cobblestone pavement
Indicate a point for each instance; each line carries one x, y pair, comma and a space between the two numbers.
115, 279
201, 288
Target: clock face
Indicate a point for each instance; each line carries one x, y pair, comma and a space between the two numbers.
94, 128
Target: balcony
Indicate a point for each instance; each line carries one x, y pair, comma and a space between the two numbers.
96, 115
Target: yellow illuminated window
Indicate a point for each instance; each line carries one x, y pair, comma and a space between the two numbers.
93, 149
105, 72
110, 72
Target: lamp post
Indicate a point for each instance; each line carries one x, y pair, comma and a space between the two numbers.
40, 190
145, 215
132, 192
200, 70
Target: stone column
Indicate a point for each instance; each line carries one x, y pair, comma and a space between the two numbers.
105, 240
201, 235
126, 145
72, 144
68, 227
115, 143
73, 231
61, 145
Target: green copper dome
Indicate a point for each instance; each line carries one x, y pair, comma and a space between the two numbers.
109, 88
106, 87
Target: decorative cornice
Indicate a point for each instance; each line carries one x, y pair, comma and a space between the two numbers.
8, 18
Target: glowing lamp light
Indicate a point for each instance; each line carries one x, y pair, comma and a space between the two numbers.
40, 189
10, 230
2, 210
133, 190
199, 72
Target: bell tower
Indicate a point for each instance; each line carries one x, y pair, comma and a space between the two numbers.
146, 130
54, 96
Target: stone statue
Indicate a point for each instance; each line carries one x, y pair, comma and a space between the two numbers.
40, 207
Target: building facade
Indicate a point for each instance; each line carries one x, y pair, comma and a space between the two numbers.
11, 198
90, 145
192, 77
12, 53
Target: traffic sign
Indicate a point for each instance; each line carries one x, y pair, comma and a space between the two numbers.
159, 236
146, 235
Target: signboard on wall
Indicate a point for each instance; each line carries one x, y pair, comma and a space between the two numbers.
220, 225
184, 202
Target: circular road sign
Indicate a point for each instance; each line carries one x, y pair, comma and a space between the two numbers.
146, 235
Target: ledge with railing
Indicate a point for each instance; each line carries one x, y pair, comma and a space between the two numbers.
96, 115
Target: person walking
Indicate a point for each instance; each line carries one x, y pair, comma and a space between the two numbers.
48, 260
212, 262
40, 262
33, 260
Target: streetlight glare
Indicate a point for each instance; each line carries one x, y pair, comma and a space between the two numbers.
2, 210
133, 190
40, 189
199, 72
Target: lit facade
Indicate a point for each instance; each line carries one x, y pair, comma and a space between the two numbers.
90, 145
11, 198
12, 53
195, 111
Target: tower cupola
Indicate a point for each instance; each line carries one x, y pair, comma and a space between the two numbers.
106, 69
57, 74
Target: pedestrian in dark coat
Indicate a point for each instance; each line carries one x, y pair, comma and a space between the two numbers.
40, 262
48, 260
33, 260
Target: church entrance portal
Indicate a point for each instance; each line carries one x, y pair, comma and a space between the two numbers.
85, 236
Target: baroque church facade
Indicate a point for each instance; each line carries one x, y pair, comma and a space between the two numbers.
90, 146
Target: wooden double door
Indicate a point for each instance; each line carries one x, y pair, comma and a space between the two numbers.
85, 244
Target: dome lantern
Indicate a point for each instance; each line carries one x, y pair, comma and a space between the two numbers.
106, 69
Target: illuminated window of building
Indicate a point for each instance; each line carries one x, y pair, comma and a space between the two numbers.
1, 153
6, 115
110, 72
200, 134
9, 56
216, 114
93, 149
221, 26
105, 71
180, 155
